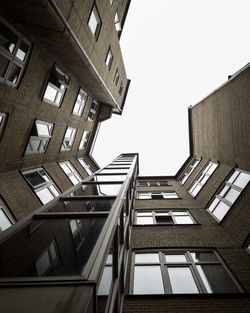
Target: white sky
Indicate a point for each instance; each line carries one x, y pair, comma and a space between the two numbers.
175, 52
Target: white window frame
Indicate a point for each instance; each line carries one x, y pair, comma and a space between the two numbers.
109, 58
157, 195
204, 174
41, 137
71, 172
7, 220
12, 56
220, 200
46, 184
94, 22
173, 215
198, 276
86, 166
69, 139
152, 183
92, 111
189, 170
117, 22
80, 102
62, 79
116, 77
84, 140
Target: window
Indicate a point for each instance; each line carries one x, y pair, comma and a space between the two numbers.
121, 89
157, 195
153, 183
189, 170
48, 260
229, 193
3, 118
42, 184
92, 111
111, 2
117, 22
56, 87
202, 178
85, 166
69, 138
6, 219
84, 140
14, 52
164, 217
80, 102
95, 22
109, 58
40, 137
78, 233
116, 77
180, 272
70, 171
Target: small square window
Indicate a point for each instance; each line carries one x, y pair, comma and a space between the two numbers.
95, 22
109, 58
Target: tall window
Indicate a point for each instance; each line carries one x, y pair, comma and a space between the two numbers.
92, 111
85, 166
68, 139
121, 88
157, 195
71, 172
189, 170
95, 22
117, 22
164, 217
14, 52
40, 137
180, 272
3, 118
6, 218
84, 140
56, 87
109, 58
116, 77
231, 190
152, 183
78, 233
48, 260
80, 102
42, 184
202, 178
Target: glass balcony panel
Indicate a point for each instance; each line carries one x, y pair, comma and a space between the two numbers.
83, 206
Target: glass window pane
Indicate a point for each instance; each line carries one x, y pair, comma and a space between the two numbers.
146, 258
232, 195
232, 178
164, 220
144, 213
50, 93
242, 180
14, 73
175, 213
144, 196
216, 279
42, 129
22, 51
8, 38
109, 177
54, 190
4, 221
44, 195
224, 190
148, 280
144, 220
43, 263
35, 179
175, 258
221, 210
106, 280
3, 65
73, 180
52, 250
182, 280
213, 204
204, 257
183, 220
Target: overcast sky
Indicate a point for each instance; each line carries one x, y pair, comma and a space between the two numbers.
175, 52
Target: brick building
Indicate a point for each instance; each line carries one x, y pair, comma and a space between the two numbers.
76, 238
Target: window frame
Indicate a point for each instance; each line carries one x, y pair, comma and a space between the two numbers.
81, 105
203, 173
71, 139
78, 232
151, 183
116, 77
42, 186
73, 172
6, 213
162, 211
3, 122
109, 60
84, 140
189, 170
12, 57
118, 26
98, 21
35, 135
222, 199
57, 72
92, 111
157, 193
86, 166
189, 263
